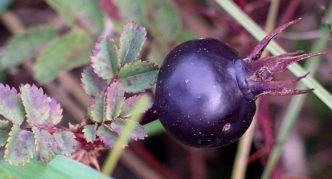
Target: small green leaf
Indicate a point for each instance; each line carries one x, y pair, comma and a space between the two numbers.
11, 106
28, 43
96, 108
63, 53
104, 59
165, 18
4, 130
138, 76
114, 100
132, 39
131, 10
107, 136
82, 13
46, 146
66, 142
20, 146
36, 105
138, 133
91, 82
129, 105
89, 132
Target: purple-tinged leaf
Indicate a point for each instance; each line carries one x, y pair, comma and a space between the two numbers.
138, 76
66, 142
4, 130
96, 108
36, 105
46, 146
55, 111
107, 136
138, 133
89, 132
132, 39
114, 100
92, 83
104, 59
11, 106
20, 146
129, 105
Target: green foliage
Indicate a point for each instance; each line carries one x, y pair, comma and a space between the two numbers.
138, 131
46, 146
132, 39
138, 76
80, 13
28, 43
65, 141
114, 100
105, 59
3, 132
89, 132
96, 109
63, 53
107, 136
60, 167
20, 146
91, 82
11, 106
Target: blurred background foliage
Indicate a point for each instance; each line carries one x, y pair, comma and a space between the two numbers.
49, 42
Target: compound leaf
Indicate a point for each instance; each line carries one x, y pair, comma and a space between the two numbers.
20, 146
91, 82
82, 13
36, 105
66, 142
63, 53
104, 59
89, 132
138, 76
28, 43
114, 100
11, 106
138, 133
107, 136
46, 146
132, 39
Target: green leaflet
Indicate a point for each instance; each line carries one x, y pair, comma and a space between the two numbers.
20, 146
63, 53
28, 43
138, 76
81, 13
132, 39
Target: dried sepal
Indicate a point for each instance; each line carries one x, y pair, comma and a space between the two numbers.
104, 59
11, 106
107, 136
132, 39
20, 146
91, 82
139, 131
66, 142
114, 100
138, 76
46, 146
89, 132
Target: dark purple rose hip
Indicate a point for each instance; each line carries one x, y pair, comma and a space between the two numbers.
205, 94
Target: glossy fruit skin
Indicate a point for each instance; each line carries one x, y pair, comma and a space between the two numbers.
201, 97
